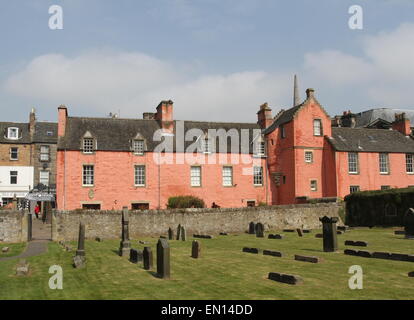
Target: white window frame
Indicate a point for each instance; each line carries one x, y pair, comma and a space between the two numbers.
17, 154
14, 175
260, 148
88, 145
317, 129
195, 176
283, 131
140, 175
258, 175
314, 185
307, 158
409, 163
44, 156
384, 164
138, 146
227, 173
353, 189
88, 175
9, 133
353, 162
43, 178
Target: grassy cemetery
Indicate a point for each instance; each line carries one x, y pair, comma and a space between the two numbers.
227, 266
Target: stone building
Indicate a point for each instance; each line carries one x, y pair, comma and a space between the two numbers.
293, 157
27, 157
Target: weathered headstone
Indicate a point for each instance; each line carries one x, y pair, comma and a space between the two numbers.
163, 259
81, 240
307, 258
183, 234
178, 232
259, 230
288, 230
98, 239
299, 231
252, 250
285, 278
170, 234
252, 228
125, 244
381, 255
147, 256
275, 236
79, 261
5, 249
409, 224
350, 252
356, 243
195, 249
135, 256
365, 254
330, 241
22, 268
411, 274
272, 253
223, 234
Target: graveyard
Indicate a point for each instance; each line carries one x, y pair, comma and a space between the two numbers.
218, 267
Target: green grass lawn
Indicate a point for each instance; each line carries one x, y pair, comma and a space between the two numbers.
222, 272
14, 249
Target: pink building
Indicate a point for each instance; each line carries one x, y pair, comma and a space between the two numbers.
297, 155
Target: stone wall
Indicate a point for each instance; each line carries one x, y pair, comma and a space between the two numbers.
13, 227
107, 224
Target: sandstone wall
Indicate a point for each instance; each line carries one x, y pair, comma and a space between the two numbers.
107, 224
12, 226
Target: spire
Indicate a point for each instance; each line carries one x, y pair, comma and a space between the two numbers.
296, 97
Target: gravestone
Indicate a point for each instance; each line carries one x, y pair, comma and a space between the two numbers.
170, 234
135, 256
252, 228
356, 243
81, 241
285, 278
5, 249
330, 240
79, 262
183, 234
259, 230
195, 249
22, 268
275, 236
163, 259
125, 244
381, 255
223, 234
98, 239
178, 232
299, 231
350, 252
311, 259
272, 253
409, 224
147, 256
411, 274
252, 250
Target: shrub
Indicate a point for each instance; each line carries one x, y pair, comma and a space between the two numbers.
185, 202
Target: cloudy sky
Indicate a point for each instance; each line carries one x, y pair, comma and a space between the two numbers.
217, 60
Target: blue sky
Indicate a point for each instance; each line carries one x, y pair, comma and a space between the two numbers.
217, 59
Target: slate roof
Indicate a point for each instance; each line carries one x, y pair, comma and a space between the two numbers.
388, 114
40, 134
24, 134
370, 140
115, 134
45, 132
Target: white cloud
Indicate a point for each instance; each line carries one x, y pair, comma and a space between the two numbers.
108, 81
384, 74
134, 83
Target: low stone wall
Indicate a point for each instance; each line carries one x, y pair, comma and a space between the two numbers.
107, 224
12, 226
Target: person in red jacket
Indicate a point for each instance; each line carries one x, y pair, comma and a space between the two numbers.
36, 211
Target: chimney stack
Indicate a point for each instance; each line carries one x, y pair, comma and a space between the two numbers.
296, 96
310, 93
62, 117
164, 115
32, 121
264, 116
402, 124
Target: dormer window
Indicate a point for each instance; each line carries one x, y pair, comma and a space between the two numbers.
138, 146
88, 145
13, 133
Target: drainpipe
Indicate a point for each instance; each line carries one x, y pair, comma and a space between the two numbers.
64, 179
159, 182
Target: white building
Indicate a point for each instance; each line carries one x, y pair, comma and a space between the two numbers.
15, 181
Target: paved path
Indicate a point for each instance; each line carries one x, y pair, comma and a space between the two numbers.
34, 248
41, 235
